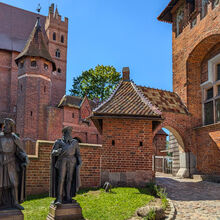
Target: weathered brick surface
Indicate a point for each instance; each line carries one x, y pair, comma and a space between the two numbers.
159, 144
38, 171
125, 162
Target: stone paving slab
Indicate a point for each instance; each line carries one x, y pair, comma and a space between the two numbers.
193, 199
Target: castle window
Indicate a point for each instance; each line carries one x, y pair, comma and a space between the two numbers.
62, 39
54, 36
218, 72
204, 8
73, 115
141, 144
113, 142
179, 20
21, 64
45, 88
59, 70
33, 63
45, 66
211, 92
57, 54
31, 113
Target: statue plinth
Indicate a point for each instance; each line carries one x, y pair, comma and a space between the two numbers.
65, 212
11, 214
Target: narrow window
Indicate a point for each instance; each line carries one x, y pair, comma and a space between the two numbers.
141, 144
59, 70
204, 8
54, 36
210, 93
45, 88
57, 54
31, 113
21, 87
113, 142
209, 114
21, 64
45, 66
33, 63
179, 20
218, 72
191, 6
217, 107
62, 39
72, 115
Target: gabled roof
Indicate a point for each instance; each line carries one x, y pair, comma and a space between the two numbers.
74, 101
36, 46
166, 101
161, 132
131, 100
166, 13
127, 100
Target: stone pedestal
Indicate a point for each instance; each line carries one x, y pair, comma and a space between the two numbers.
65, 212
11, 214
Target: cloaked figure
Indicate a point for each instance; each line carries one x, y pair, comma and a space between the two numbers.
65, 168
13, 162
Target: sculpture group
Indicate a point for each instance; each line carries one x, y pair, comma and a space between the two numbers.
65, 168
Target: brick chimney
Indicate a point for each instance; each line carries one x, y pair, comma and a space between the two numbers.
126, 74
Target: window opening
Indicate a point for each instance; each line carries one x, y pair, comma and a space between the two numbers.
59, 70
204, 8
141, 144
209, 115
45, 88
21, 64
45, 66
33, 63
62, 39
31, 113
57, 54
210, 93
113, 142
179, 20
218, 72
72, 115
54, 36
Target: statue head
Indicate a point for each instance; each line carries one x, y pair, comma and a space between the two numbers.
67, 131
9, 126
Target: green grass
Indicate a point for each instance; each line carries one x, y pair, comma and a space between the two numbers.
120, 204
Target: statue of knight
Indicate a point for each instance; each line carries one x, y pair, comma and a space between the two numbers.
13, 162
65, 168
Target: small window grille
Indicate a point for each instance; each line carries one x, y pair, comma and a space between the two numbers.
54, 36
62, 39
218, 72
57, 54
33, 63
45, 66
210, 93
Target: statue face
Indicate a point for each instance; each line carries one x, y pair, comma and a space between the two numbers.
7, 128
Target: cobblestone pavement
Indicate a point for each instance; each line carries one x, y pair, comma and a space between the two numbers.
199, 200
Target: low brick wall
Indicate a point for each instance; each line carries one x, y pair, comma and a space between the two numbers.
38, 171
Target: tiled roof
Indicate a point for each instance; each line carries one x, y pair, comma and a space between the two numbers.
36, 46
166, 13
215, 135
131, 100
74, 101
127, 100
15, 27
166, 101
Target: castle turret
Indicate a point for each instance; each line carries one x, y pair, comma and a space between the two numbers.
35, 67
57, 31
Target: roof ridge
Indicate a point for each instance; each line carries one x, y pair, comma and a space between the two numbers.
148, 87
145, 100
109, 98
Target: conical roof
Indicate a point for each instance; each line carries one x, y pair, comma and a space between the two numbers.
36, 46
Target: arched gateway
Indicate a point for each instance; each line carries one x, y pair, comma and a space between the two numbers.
128, 121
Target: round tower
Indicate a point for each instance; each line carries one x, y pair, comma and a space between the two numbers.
35, 67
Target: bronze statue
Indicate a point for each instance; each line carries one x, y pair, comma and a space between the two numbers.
65, 168
13, 162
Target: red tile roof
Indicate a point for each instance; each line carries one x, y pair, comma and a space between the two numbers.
36, 46
131, 100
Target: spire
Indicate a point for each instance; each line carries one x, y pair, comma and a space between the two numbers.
36, 46
56, 15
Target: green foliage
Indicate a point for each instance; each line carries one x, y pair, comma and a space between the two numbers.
151, 215
96, 83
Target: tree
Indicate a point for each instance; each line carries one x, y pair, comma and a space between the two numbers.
96, 83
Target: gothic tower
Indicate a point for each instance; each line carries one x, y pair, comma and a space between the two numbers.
35, 67
57, 31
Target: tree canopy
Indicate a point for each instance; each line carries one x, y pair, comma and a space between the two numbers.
96, 83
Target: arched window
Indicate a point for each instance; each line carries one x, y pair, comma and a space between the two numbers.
59, 70
54, 36
204, 8
179, 20
57, 54
33, 63
62, 39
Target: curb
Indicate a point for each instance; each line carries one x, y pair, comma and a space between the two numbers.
172, 213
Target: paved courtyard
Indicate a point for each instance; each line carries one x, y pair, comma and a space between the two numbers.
193, 199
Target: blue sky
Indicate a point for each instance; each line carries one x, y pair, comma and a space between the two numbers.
115, 32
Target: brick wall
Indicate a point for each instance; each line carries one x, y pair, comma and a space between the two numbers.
38, 171
159, 143
124, 161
